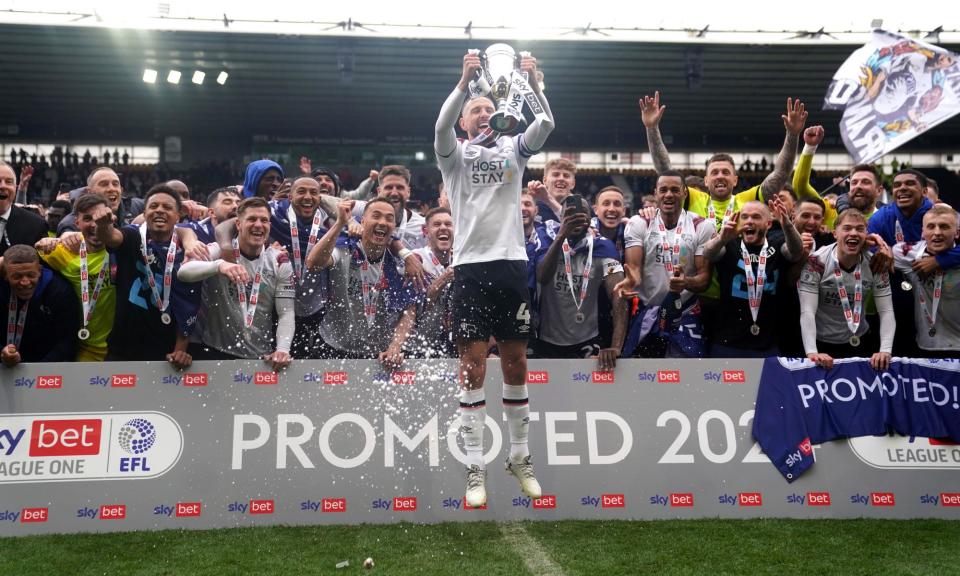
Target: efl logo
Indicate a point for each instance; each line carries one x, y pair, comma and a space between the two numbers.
734, 377
684, 500
261, 506
188, 509
538, 377
405, 504
950, 498
333, 505
545, 502
602, 377
882, 499
49, 381
334, 378
113, 512
818, 498
33, 515
265, 378
612, 501
195, 379
668, 376
805, 447
750, 498
65, 438
123, 380
403, 377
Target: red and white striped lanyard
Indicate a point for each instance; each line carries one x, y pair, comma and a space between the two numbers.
295, 238
930, 315
754, 283
671, 251
712, 213
16, 319
249, 310
88, 300
164, 301
851, 316
568, 268
368, 291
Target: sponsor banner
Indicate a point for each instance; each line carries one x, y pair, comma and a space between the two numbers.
139, 446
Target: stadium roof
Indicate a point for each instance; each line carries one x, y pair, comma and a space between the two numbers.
80, 82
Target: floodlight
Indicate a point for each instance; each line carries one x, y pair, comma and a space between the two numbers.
222, 78
198, 77
149, 75
173, 77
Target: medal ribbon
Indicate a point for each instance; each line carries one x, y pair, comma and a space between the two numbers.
568, 268
88, 300
712, 213
851, 316
249, 309
295, 238
931, 314
368, 291
162, 302
16, 319
754, 283
671, 251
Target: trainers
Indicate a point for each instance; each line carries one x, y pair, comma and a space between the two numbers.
476, 495
523, 470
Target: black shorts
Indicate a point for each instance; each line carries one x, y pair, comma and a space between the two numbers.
541, 349
491, 299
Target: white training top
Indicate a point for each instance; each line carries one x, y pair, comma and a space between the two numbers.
654, 279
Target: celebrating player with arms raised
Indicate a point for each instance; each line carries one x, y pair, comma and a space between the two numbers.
482, 176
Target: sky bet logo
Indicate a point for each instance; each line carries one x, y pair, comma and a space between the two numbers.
258, 378
106, 512
948, 499
255, 507
538, 377
675, 500
40, 382
115, 381
457, 503
545, 502
810, 499
743, 499
595, 377
883, 499
327, 505
726, 376
25, 515
399, 504
63, 438
181, 510
604, 501
188, 380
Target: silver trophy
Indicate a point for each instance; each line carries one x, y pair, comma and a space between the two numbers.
500, 66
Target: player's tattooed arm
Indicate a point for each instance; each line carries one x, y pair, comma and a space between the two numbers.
793, 121
651, 112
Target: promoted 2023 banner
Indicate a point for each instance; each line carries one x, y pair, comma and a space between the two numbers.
119, 446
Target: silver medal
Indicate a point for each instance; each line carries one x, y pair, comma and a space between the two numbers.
932, 332
151, 258
755, 329
579, 318
678, 303
83, 334
165, 318
854, 340
906, 286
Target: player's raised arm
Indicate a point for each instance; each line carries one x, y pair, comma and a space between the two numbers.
445, 139
536, 133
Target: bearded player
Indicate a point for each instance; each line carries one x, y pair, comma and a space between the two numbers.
482, 175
